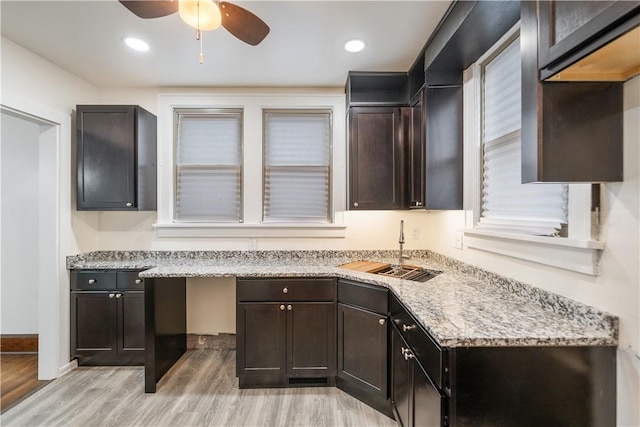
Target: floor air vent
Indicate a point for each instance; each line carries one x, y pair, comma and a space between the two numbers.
320, 380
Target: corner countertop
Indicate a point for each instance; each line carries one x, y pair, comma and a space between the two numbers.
462, 306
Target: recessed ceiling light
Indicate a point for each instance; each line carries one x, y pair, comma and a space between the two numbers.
136, 44
354, 46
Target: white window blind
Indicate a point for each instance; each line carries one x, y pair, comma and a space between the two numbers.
507, 204
208, 166
297, 166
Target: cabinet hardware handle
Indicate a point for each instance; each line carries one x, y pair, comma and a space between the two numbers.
418, 203
112, 295
381, 321
406, 328
138, 281
289, 307
403, 350
285, 290
129, 204
118, 295
408, 355
355, 204
282, 307
92, 281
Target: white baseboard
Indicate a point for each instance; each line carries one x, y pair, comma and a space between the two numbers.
66, 368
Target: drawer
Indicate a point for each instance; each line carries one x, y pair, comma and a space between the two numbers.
130, 280
285, 289
427, 352
93, 280
429, 355
371, 297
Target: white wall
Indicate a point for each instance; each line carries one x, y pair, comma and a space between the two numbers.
20, 210
616, 290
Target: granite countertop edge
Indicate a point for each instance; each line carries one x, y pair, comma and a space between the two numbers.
462, 307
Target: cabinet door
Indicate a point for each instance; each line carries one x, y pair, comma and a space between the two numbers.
261, 344
427, 401
401, 379
376, 158
130, 307
310, 340
106, 157
362, 349
565, 26
416, 155
93, 327
443, 148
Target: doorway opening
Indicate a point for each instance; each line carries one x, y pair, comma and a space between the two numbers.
29, 253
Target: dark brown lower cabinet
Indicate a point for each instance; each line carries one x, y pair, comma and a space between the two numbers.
107, 328
107, 317
363, 344
417, 401
287, 342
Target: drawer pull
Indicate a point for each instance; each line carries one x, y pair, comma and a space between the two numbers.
285, 290
382, 321
406, 328
118, 295
289, 307
112, 295
138, 281
282, 307
408, 355
92, 281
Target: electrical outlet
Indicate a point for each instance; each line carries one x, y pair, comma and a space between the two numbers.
457, 242
415, 233
253, 244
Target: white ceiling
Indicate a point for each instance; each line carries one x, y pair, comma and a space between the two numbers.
304, 47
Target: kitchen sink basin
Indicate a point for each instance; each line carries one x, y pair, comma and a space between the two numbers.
406, 272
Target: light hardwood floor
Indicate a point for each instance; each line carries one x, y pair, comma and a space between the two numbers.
18, 378
200, 390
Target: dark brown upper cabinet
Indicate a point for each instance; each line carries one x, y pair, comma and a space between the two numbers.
443, 148
116, 158
377, 138
589, 40
571, 131
365, 88
415, 150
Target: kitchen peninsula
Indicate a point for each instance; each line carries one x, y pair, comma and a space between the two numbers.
464, 310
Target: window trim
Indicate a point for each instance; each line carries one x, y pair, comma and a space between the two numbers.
579, 252
329, 112
252, 101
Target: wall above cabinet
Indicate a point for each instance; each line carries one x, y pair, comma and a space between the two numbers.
116, 158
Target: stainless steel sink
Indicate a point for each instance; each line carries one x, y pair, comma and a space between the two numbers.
417, 274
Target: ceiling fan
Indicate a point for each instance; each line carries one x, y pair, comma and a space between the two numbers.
205, 15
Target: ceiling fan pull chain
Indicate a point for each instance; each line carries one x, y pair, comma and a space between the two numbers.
201, 54
199, 35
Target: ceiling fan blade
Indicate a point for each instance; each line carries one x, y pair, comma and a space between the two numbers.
243, 24
151, 8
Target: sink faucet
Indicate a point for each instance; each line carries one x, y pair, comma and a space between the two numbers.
401, 256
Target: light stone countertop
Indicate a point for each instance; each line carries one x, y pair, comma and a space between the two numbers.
462, 306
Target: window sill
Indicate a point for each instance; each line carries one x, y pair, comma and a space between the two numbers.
581, 256
288, 230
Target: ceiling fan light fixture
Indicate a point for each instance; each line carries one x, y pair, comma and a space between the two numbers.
136, 44
200, 14
354, 46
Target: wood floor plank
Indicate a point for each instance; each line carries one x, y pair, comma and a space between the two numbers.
18, 378
200, 390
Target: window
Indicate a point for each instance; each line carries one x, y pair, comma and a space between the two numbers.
297, 166
507, 204
208, 171
550, 224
